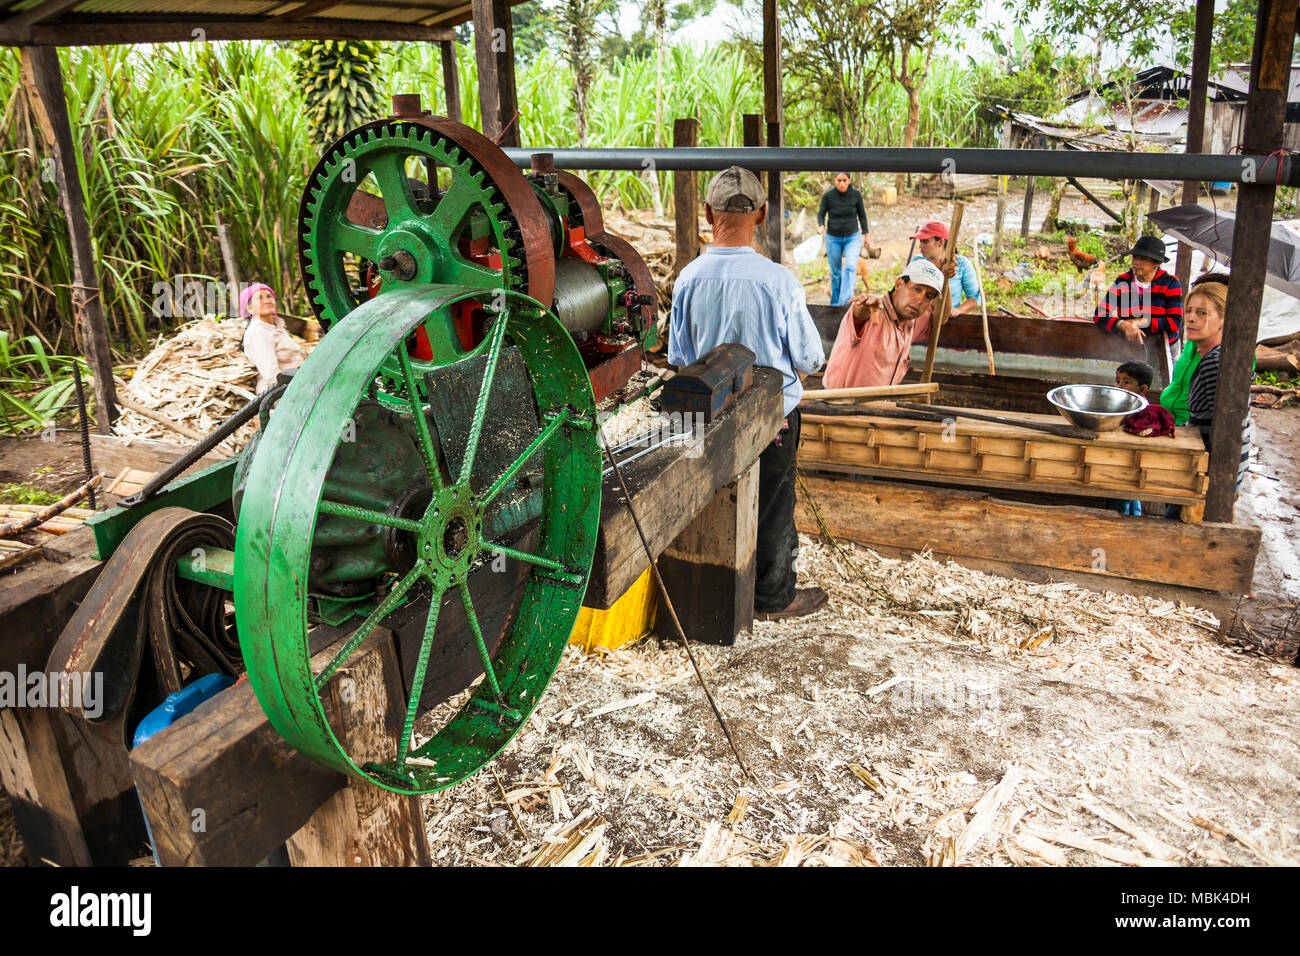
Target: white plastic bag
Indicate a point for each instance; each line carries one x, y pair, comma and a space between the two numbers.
808, 250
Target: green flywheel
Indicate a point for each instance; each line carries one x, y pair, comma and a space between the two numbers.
364, 493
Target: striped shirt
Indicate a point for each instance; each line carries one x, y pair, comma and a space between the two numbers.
1158, 308
1200, 405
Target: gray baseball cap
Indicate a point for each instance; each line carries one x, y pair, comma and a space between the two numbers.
735, 189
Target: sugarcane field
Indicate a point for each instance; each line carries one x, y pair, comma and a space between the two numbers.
587, 433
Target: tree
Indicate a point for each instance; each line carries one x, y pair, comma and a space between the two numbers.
578, 22
832, 61
1234, 34
906, 32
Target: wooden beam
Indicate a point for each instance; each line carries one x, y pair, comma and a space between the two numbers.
773, 111
505, 55
450, 79
489, 78
1196, 106
310, 9
44, 82
99, 31
1265, 115
685, 199
1214, 557
669, 490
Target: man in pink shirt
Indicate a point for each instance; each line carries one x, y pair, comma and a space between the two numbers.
874, 343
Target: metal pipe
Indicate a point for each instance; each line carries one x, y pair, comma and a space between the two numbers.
1202, 167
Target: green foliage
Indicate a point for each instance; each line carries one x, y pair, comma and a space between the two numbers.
34, 385
26, 494
1037, 77
340, 84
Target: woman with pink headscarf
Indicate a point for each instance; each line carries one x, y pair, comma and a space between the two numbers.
266, 341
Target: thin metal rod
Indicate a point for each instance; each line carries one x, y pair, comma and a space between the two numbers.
1203, 167
483, 656
417, 415
485, 389
373, 517
417, 679
529, 558
668, 603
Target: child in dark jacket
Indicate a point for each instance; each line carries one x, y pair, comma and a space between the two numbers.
1136, 377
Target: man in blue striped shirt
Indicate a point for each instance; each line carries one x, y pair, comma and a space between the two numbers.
965, 285
733, 295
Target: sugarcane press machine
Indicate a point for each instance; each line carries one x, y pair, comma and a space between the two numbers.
435, 460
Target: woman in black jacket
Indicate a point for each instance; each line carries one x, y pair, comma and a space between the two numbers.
843, 219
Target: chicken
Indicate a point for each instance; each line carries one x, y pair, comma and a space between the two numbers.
1082, 260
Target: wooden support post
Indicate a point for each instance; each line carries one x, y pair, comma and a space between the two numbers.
38, 788
943, 306
773, 110
752, 125
1029, 205
1265, 115
685, 199
494, 50
708, 569
227, 245
1196, 105
44, 82
450, 79
364, 825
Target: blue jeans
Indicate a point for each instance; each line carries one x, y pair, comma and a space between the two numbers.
842, 251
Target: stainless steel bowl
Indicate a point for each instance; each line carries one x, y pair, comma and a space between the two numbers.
1098, 407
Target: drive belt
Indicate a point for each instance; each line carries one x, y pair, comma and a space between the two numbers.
139, 603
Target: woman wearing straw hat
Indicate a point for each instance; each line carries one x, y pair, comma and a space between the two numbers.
267, 342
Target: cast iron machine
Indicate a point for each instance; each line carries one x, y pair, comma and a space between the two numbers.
434, 465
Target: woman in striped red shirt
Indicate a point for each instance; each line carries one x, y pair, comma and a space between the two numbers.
1146, 299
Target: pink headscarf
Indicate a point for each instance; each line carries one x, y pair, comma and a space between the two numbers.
246, 297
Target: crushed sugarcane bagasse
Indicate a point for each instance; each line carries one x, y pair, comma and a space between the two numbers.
969, 719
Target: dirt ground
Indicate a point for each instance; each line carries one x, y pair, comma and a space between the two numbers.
965, 719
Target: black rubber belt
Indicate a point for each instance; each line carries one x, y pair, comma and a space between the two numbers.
138, 600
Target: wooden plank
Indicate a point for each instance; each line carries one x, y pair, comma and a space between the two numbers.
490, 81
752, 135
85, 30
685, 199
115, 454
671, 486
44, 82
896, 468
365, 825
773, 113
708, 569
33, 777
1216, 557
1266, 106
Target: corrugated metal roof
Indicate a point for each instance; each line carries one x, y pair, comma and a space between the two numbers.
422, 12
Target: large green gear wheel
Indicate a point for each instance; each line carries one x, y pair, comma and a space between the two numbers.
447, 536
428, 229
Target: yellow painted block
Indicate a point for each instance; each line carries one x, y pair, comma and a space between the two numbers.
886, 195
631, 618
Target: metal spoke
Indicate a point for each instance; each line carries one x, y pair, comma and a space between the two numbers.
421, 423
357, 240
386, 607
417, 679
454, 206
367, 514
464, 272
529, 558
390, 173
480, 407
470, 616
543, 437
